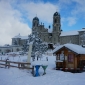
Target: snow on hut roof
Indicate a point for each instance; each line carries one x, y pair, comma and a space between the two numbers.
69, 33
76, 48
57, 48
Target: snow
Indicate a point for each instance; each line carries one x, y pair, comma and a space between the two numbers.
57, 48
39, 63
22, 37
76, 48
30, 43
49, 30
18, 36
83, 29
69, 33
15, 76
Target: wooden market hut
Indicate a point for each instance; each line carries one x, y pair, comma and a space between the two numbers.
69, 56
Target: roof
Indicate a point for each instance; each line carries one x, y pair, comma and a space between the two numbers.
68, 33
83, 29
35, 18
73, 47
22, 37
18, 36
56, 14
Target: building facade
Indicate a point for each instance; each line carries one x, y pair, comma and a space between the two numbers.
57, 35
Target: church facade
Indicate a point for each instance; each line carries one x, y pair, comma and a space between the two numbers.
57, 35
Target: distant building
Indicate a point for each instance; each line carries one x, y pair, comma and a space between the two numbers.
10, 48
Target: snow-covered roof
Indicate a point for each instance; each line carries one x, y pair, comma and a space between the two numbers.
57, 48
68, 33
22, 37
83, 29
18, 36
76, 48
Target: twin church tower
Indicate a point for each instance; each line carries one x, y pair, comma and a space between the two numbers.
45, 34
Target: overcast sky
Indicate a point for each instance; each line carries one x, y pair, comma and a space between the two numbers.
16, 16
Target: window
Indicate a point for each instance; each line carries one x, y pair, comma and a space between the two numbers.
55, 21
70, 57
62, 56
58, 57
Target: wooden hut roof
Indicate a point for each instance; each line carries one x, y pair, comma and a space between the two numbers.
73, 47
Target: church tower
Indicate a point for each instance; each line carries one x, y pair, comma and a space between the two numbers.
56, 27
35, 23
56, 23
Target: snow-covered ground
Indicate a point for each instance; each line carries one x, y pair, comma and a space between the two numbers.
15, 76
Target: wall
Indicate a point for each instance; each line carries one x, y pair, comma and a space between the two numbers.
80, 39
10, 49
69, 39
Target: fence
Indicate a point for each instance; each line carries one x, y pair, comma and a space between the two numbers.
22, 65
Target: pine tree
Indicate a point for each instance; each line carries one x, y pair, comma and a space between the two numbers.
25, 46
38, 47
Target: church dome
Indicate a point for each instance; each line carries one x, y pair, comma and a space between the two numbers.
56, 14
36, 18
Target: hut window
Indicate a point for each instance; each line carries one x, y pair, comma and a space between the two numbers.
58, 58
62, 55
70, 58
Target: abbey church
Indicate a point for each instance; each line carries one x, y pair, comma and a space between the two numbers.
45, 34
55, 36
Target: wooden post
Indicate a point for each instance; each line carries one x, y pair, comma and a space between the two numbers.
8, 64
18, 65
33, 70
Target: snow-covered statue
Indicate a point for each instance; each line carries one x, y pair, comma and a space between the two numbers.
25, 46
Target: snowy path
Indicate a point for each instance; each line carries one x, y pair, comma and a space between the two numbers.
14, 76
